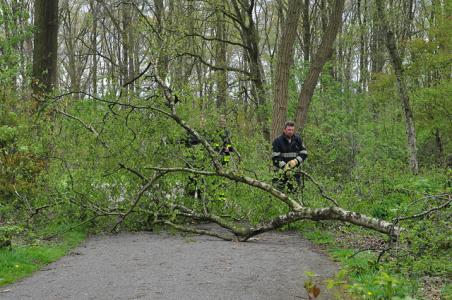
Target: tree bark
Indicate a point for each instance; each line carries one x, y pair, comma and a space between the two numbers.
163, 60
306, 32
376, 45
221, 61
93, 8
323, 53
396, 61
125, 45
45, 49
250, 37
283, 65
362, 45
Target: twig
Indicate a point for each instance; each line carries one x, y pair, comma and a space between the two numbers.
87, 126
72, 227
133, 171
422, 214
362, 250
321, 190
198, 231
138, 196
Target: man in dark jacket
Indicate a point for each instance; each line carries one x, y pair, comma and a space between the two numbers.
288, 153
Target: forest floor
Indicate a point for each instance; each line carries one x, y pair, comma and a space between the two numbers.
172, 266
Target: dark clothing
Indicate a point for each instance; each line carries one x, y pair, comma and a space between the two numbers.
220, 141
283, 151
224, 145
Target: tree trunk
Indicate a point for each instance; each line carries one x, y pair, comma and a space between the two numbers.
45, 46
362, 46
439, 145
125, 45
250, 37
283, 65
163, 60
396, 61
306, 32
69, 27
221, 61
323, 53
376, 45
93, 7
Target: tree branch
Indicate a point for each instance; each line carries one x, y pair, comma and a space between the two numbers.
137, 198
425, 213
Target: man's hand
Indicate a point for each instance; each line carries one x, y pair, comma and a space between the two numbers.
291, 164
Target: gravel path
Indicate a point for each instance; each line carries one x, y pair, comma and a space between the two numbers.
164, 266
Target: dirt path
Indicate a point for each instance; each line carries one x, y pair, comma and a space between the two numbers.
163, 266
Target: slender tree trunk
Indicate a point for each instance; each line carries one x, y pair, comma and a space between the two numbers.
93, 7
8, 16
162, 62
396, 61
45, 46
439, 145
362, 45
323, 53
250, 38
221, 60
283, 65
125, 45
306, 32
376, 45
129, 33
68, 24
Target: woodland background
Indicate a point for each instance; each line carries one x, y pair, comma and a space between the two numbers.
368, 83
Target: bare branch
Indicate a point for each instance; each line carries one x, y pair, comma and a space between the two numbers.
137, 198
189, 229
87, 126
321, 189
425, 213
133, 171
214, 67
216, 39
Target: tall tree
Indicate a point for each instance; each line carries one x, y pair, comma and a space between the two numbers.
306, 31
93, 8
323, 53
45, 51
283, 65
396, 61
249, 33
73, 27
221, 60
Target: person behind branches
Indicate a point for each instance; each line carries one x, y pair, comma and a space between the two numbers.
288, 153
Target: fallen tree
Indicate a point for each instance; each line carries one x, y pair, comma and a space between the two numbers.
238, 230
179, 215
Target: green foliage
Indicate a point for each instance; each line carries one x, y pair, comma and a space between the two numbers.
365, 279
7, 232
10, 40
20, 164
381, 286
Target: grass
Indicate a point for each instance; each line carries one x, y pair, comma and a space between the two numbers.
359, 275
21, 261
